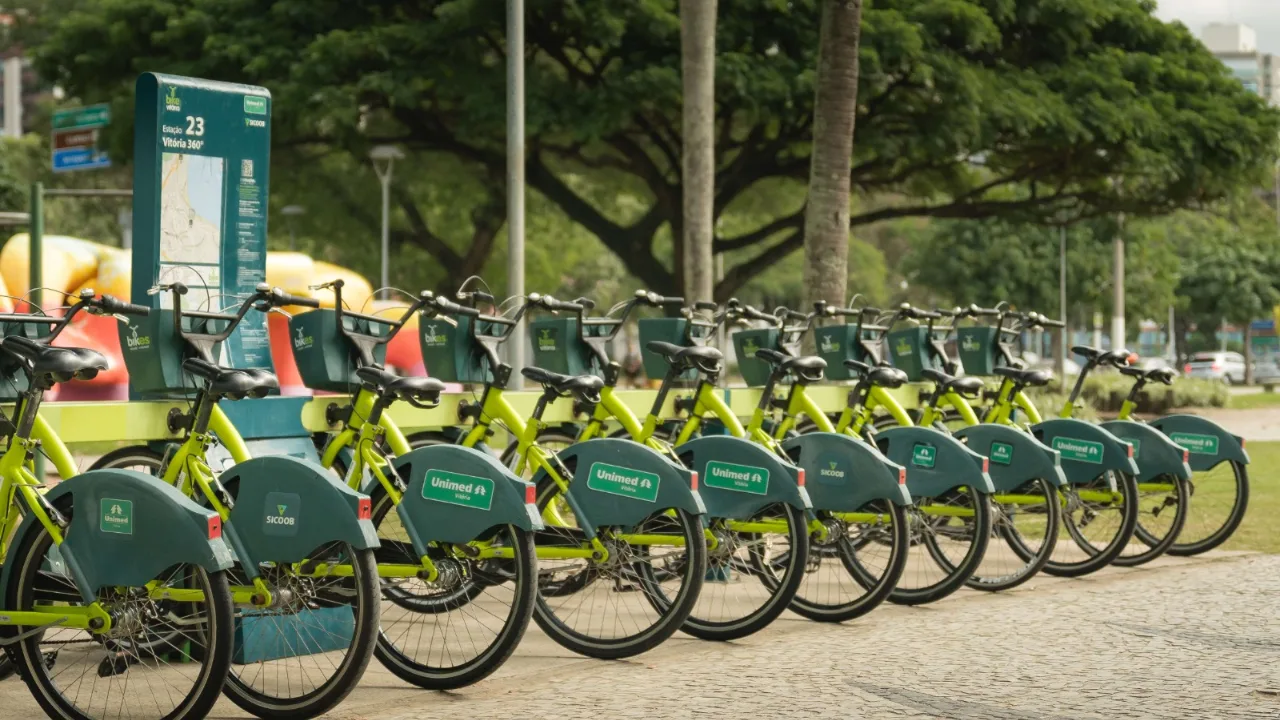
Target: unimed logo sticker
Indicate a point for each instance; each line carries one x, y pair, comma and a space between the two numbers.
740, 478
458, 489
1079, 450
116, 516
623, 481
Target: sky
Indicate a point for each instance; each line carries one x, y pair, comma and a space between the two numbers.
1262, 15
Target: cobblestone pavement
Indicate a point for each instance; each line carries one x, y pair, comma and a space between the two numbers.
1178, 639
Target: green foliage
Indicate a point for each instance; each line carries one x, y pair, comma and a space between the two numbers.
1053, 97
1104, 392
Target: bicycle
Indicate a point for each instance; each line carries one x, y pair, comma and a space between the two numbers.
756, 510
948, 483
305, 584
457, 557
116, 597
623, 523
1159, 483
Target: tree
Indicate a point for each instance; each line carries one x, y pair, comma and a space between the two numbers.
968, 108
697, 64
1235, 283
835, 107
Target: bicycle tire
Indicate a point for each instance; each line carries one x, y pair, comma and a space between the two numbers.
1154, 545
1186, 546
867, 592
1127, 486
1005, 528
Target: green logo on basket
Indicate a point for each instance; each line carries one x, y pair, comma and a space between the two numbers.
302, 342
924, 456
625, 482
904, 347
1198, 444
739, 478
116, 516
171, 101
970, 344
1001, 453
1079, 450
749, 347
828, 345
547, 339
433, 338
134, 342
458, 489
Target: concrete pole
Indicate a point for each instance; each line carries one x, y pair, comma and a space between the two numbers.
1117, 304
125, 218
698, 71
515, 177
1063, 334
1171, 348
35, 275
13, 97
384, 278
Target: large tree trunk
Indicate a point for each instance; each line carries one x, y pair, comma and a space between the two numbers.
698, 63
826, 223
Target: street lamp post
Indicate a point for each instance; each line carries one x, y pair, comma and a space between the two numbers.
290, 212
384, 158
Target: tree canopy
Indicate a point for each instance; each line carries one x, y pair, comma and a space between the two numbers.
1036, 110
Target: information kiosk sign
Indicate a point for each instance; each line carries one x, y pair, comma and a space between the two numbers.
201, 153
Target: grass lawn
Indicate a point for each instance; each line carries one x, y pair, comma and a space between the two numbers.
1254, 400
1259, 531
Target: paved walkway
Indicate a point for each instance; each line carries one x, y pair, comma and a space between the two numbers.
1183, 638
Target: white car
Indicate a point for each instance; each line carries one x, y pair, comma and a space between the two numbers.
1225, 366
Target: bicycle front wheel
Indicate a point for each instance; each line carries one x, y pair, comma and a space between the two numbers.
162, 658
633, 600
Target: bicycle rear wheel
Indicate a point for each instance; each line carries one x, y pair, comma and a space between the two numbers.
853, 570
751, 576
1162, 512
1028, 521
1098, 522
161, 658
632, 601
1219, 498
949, 536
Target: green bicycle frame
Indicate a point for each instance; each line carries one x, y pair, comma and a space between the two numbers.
854, 420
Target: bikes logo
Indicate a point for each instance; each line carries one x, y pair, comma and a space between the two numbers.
1198, 444
1001, 453
903, 348
828, 345
749, 347
171, 101
431, 337
624, 482
547, 339
457, 489
281, 514
738, 478
832, 470
970, 344
116, 516
924, 456
136, 342
1079, 450
302, 342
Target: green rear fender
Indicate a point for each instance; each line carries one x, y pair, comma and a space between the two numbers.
457, 494
737, 478
1087, 450
621, 482
935, 461
286, 507
126, 529
843, 474
1208, 442
1015, 457
1153, 451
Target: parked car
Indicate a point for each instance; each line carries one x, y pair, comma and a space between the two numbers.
1225, 366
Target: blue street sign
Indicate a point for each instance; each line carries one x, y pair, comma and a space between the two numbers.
79, 158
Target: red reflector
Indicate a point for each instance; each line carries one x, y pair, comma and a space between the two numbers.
530, 494
902, 476
215, 527
693, 481
364, 510
1130, 446
1186, 369
800, 479
1186, 456
1241, 443
986, 464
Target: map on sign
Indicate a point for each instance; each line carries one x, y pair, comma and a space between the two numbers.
191, 207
